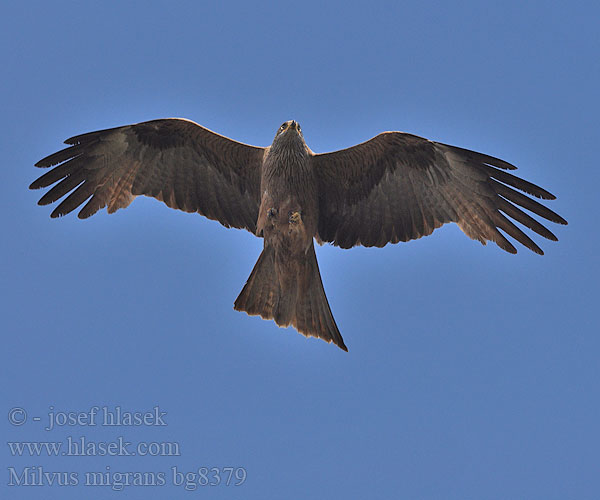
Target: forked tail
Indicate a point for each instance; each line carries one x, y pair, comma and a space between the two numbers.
302, 304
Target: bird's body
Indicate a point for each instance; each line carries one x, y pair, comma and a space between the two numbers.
288, 186
394, 187
285, 284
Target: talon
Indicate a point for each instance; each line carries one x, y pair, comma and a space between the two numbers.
294, 217
271, 213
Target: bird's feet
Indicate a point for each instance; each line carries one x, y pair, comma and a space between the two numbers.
294, 217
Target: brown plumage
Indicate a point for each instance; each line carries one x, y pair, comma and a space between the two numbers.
394, 187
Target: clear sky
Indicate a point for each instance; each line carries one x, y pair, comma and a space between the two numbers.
471, 373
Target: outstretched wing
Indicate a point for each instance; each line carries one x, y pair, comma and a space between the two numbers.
398, 187
176, 161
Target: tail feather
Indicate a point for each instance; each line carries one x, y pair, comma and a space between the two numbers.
313, 313
260, 293
302, 304
285, 309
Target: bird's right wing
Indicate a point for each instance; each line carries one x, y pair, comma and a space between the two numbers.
176, 161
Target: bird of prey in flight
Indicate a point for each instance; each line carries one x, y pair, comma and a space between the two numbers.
393, 187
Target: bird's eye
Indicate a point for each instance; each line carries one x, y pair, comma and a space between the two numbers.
282, 127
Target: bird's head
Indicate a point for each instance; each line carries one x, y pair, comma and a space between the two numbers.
289, 135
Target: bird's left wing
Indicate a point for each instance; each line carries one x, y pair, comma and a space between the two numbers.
399, 187
177, 161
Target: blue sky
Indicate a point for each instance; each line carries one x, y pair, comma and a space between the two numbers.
471, 373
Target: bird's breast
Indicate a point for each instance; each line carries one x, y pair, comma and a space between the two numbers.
288, 209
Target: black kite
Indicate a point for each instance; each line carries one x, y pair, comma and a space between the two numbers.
394, 187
